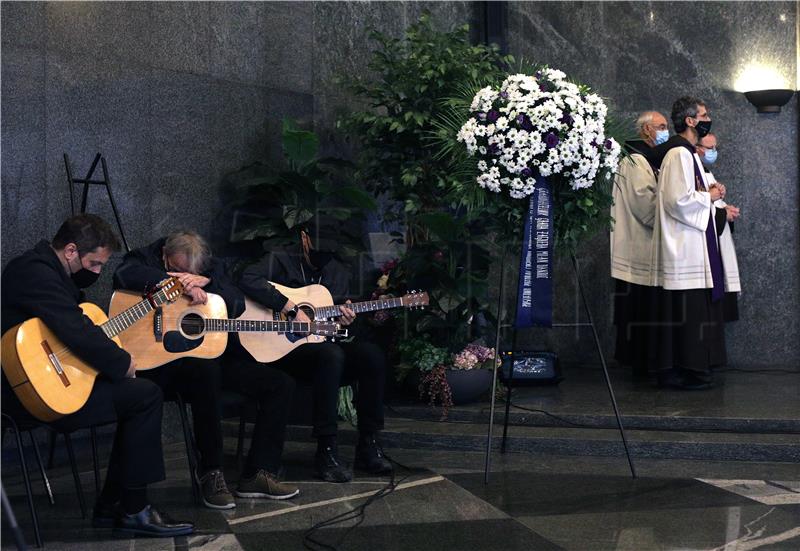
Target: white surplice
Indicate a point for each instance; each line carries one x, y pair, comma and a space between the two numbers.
680, 251
634, 212
730, 265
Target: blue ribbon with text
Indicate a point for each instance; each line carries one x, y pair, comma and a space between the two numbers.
535, 291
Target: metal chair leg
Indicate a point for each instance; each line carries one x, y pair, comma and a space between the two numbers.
75, 475
45, 480
190, 449
34, 517
95, 462
505, 422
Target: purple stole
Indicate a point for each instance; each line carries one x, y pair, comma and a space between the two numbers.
714, 256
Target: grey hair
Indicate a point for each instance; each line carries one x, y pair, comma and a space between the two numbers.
192, 244
643, 120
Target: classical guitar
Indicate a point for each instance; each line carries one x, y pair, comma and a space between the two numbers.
316, 301
46, 376
181, 330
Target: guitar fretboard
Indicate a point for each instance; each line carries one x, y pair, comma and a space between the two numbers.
256, 326
330, 312
126, 318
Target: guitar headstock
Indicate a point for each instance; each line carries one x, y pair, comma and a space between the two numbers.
172, 288
415, 299
327, 329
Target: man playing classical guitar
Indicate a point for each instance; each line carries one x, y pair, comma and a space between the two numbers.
45, 282
186, 256
326, 365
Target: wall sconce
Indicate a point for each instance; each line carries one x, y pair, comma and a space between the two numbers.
769, 101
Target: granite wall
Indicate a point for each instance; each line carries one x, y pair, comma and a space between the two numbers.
178, 94
643, 55
175, 95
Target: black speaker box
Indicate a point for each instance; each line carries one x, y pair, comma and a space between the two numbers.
530, 368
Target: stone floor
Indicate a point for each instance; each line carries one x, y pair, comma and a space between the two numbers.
440, 502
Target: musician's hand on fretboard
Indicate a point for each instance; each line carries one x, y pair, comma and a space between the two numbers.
348, 315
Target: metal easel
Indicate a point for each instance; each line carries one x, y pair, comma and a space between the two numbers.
88, 181
589, 323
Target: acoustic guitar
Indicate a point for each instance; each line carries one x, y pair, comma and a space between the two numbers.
47, 377
181, 330
317, 303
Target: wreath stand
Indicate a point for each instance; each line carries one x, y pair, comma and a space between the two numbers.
589, 323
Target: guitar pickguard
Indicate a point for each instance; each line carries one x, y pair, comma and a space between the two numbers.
176, 343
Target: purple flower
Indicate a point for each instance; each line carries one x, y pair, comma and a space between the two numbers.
493, 116
520, 119
526, 172
566, 119
504, 95
526, 124
481, 116
493, 149
551, 140
607, 144
595, 144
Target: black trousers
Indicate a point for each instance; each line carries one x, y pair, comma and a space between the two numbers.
273, 390
327, 366
692, 332
136, 455
198, 382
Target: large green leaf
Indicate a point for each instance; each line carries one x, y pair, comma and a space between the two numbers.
299, 146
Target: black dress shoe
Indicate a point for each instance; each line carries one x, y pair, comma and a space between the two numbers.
696, 381
151, 523
104, 515
370, 458
328, 467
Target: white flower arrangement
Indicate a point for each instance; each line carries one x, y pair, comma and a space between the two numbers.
538, 125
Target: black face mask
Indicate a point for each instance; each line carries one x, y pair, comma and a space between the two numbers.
320, 258
703, 128
83, 278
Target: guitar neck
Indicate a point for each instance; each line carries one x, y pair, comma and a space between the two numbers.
126, 318
255, 326
330, 312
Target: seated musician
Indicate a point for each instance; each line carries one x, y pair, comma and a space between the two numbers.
46, 282
327, 365
186, 255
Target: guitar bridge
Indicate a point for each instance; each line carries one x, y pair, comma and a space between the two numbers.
158, 324
59, 369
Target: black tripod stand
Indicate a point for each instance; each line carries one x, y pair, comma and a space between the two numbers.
106, 182
589, 323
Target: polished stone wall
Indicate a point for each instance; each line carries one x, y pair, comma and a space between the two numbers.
643, 55
177, 94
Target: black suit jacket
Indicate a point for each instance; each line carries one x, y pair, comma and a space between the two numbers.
143, 268
35, 284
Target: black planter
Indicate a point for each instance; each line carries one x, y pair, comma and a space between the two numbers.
468, 385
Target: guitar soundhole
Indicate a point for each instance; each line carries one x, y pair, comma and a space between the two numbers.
193, 325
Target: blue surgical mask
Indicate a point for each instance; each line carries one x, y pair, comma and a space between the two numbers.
710, 157
661, 136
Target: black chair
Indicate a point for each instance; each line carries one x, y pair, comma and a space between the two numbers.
19, 421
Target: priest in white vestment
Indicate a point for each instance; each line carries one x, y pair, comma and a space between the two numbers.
707, 151
687, 261
631, 240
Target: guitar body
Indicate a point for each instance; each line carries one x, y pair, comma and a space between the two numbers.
168, 333
46, 394
269, 347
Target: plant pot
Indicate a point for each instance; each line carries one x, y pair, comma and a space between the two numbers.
468, 385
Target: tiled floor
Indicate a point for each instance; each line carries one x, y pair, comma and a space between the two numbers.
442, 503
